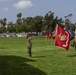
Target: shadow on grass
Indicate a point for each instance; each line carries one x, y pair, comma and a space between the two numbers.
15, 65
38, 57
72, 55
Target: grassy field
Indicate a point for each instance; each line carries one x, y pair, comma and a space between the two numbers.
47, 59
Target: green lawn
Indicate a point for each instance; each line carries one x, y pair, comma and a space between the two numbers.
47, 59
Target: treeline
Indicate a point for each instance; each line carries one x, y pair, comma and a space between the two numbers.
33, 24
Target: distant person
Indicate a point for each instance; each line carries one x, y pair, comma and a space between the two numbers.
29, 44
74, 43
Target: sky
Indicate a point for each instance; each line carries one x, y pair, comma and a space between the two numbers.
31, 8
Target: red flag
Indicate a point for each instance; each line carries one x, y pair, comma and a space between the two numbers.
62, 38
47, 35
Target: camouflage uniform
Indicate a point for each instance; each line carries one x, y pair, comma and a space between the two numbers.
29, 41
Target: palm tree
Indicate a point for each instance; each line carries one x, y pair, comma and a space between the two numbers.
19, 20
4, 21
19, 15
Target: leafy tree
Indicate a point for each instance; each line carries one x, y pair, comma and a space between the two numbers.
38, 23
28, 20
11, 28
10, 23
29, 24
35, 24
2, 29
48, 19
19, 21
23, 20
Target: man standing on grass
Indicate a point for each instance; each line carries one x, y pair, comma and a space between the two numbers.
29, 46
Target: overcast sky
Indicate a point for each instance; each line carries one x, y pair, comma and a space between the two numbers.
31, 8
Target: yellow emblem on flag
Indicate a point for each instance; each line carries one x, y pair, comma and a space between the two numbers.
62, 37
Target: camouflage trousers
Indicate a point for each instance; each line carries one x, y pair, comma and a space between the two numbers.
29, 51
